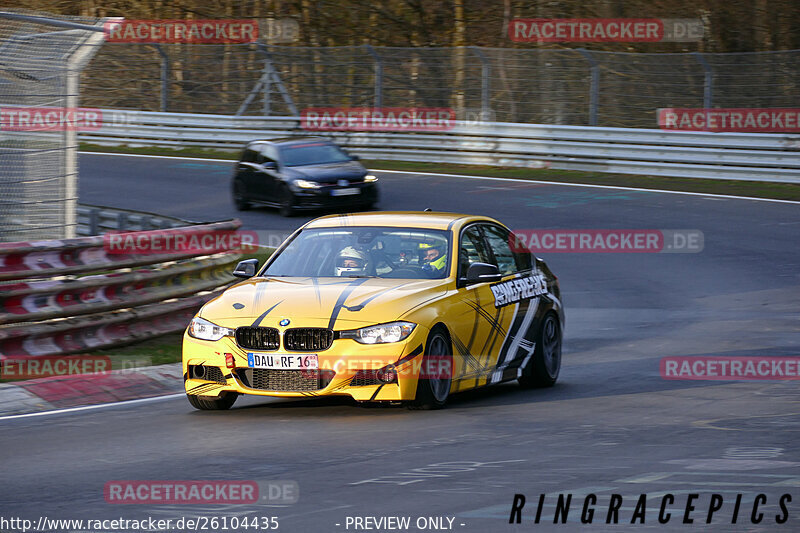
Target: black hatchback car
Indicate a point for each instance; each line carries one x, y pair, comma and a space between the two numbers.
301, 173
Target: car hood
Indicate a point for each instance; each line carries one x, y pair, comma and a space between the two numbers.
330, 173
338, 303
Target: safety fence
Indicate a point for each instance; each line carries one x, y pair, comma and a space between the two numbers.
695, 154
569, 86
41, 58
73, 295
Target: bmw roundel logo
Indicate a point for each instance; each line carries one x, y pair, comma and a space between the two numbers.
284, 322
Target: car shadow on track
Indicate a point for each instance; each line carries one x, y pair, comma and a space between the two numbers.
617, 378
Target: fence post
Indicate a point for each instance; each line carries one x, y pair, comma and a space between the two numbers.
266, 89
485, 73
377, 99
165, 75
708, 81
594, 88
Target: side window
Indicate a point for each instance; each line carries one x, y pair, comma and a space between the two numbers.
499, 242
471, 250
269, 153
250, 155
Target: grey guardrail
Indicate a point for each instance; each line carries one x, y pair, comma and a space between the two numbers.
739, 156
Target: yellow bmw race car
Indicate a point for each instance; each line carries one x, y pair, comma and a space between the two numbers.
385, 307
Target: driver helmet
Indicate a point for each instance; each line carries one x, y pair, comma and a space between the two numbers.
432, 255
351, 262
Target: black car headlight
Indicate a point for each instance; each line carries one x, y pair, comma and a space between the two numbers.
202, 329
380, 334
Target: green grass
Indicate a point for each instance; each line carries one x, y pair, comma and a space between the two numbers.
159, 350
780, 191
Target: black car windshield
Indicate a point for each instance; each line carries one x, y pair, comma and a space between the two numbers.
311, 153
400, 253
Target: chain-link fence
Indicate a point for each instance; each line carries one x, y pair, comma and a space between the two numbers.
39, 63
548, 86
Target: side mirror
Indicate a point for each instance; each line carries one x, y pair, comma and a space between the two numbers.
269, 165
246, 269
355, 158
481, 273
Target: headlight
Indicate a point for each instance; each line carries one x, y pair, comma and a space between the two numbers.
380, 334
207, 331
305, 184
369, 178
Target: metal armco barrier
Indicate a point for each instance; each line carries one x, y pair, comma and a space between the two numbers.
97, 331
21, 260
94, 220
738, 156
72, 295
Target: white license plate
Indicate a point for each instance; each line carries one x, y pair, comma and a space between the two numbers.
277, 361
345, 192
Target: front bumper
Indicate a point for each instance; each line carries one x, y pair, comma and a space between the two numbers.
346, 368
322, 198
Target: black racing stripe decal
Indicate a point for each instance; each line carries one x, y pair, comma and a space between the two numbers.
495, 333
204, 388
376, 392
522, 309
460, 346
342, 298
501, 311
409, 357
493, 321
264, 314
315, 283
361, 306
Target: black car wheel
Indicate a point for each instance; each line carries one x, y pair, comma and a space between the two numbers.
225, 401
286, 199
543, 368
239, 198
437, 368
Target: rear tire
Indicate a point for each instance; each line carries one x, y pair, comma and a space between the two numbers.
543, 368
432, 392
239, 198
225, 401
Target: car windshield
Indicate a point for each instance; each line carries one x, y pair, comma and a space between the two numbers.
400, 253
311, 153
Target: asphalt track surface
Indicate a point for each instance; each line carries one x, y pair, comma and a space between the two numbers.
611, 425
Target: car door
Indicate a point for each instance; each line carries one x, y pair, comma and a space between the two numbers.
519, 290
477, 327
245, 170
266, 173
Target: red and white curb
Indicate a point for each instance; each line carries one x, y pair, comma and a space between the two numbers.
62, 392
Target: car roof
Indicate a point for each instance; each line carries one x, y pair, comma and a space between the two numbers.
395, 219
290, 140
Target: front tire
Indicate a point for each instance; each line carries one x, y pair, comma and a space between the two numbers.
437, 367
225, 401
543, 368
239, 197
286, 208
